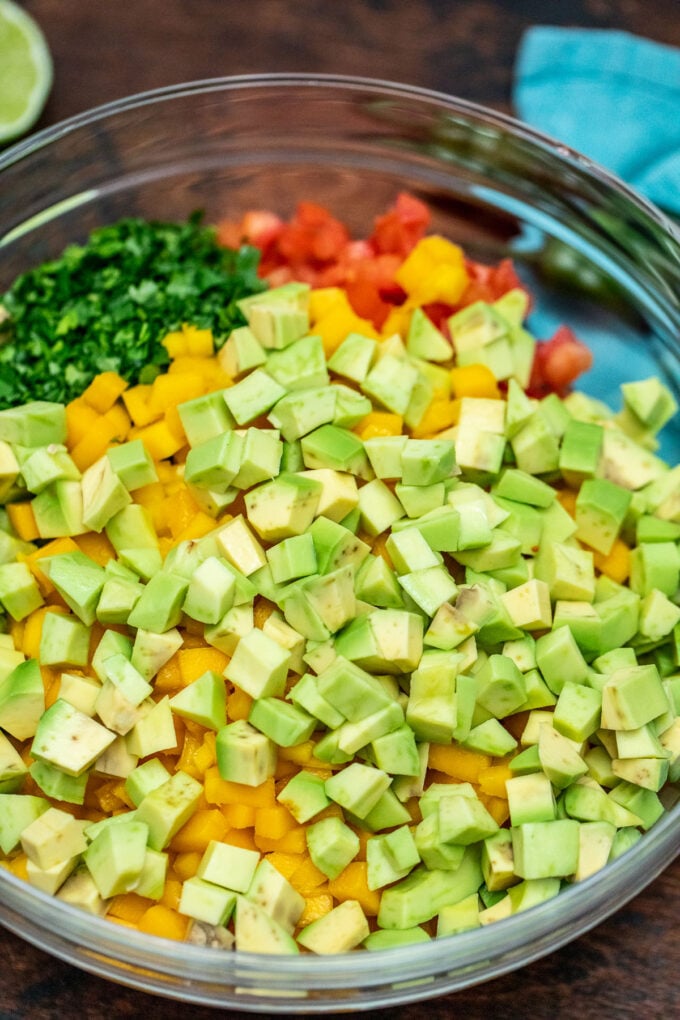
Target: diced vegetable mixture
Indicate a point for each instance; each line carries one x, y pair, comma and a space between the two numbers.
334, 617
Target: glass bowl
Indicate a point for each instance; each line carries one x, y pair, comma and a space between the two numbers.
595, 255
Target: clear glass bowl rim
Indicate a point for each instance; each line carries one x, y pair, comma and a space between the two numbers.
455, 962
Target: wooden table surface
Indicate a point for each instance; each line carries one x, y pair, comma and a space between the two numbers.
630, 965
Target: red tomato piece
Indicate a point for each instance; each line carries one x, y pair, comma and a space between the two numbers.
558, 362
399, 229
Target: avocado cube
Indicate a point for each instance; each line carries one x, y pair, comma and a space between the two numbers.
64, 641
384, 641
284, 507
259, 666
22, 699
79, 581
54, 837
205, 417
19, 591
391, 382
354, 357
58, 510
379, 507
351, 690
205, 901
580, 451
298, 413
231, 867
390, 857
434, 852
133, 464
244, 755
240, 547
278, 316
384, 454
36, 423
49, 880
286, 725
159, 607
117, 599
153, 731
103, 493
631, 697
215, 463
211, 591
357, 788
530, 798
342, 929
648, 773
577, 712
546, 849
145, 778
330, 446
68, 739
422, 894
270, 891
560, 761
560, 660
115, 858
304, 796
253, 396
203, 701
301, 365
241, 352
332, 845
48, 464
655, 565
55, 783
260, 457
17, 812
428, 461
168, 807
501, 686
257, 932
13, 771
601, 508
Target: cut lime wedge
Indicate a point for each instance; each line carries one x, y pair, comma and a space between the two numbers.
25, 71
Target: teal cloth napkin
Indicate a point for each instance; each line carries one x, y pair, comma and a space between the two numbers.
613, 96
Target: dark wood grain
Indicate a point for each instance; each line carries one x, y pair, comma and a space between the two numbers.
629, 967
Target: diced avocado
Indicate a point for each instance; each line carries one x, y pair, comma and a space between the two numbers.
19, 591
57, 784
205, 901
168, 807
273, 893
304, 796
244, 755
153, 731
283, 507
58, 510
22, 700
344, 928
37, 423
231, 867
357, 788
332, 845
253, 396
17, 811
257, 932
68, 739
12, 768
104, 494
214, 463
423, 893
546, 849
285, 724
54, 837
151, 650
115, 857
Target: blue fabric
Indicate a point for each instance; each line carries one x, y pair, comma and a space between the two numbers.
612, 96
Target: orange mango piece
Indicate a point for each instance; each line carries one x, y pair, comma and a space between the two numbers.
457, 762
379, 423
474, 381
224, 791
194, 662
104, 391
616, 564
164, 922
22, 519
433, 271
203, 826
352, 884
316, 906
129, 907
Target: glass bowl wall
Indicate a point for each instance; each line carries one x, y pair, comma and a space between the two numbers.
595, 256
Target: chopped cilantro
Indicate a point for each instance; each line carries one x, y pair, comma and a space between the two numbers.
107, 304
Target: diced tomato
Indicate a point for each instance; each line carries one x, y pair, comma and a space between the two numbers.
558, 362
312, 235
401, 227
258, 227
487, 283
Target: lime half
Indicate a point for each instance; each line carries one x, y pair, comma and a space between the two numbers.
25, 71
